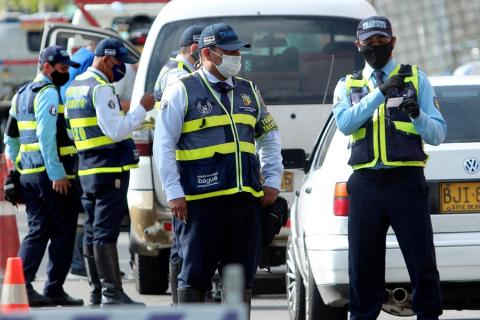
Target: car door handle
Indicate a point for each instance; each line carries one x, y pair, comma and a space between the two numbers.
308, 190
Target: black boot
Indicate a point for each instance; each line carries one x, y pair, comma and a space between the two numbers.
188, 295
175, 269
66, 300
93, 279
36, 299
106, 260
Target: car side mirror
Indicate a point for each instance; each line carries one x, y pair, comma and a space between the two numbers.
294, 158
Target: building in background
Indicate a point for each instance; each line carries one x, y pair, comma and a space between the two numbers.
438, 35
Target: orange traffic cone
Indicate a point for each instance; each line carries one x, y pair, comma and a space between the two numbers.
14, 293
3, 174
9, 239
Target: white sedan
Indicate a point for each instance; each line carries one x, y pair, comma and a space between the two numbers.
317, 253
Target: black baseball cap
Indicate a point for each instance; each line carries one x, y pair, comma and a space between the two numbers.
221, 35
191, 35
114, 48
56, 54
373, 26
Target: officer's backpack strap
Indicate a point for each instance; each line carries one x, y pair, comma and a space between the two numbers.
354, 80
39, 85
22, 88
412, 74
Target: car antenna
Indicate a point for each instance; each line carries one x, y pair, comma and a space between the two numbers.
332, 60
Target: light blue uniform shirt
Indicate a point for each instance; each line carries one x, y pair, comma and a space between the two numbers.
429, 124
46, 117
168, 128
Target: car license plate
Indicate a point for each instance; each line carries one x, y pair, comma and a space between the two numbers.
459, 197
287, 181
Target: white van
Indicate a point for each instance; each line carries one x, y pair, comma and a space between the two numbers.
20, 37
120, 16
299, 51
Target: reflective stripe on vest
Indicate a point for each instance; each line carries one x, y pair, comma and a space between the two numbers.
216, 151
378, 125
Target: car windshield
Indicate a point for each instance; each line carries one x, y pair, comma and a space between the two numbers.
460, 106
290, 59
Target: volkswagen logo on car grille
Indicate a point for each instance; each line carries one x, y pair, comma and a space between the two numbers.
471, 165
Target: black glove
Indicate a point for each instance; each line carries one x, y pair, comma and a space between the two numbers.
410, 107
13, 191
274, 217
392, 83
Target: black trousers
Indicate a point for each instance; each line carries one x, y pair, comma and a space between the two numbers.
378, 199
105, 202
219, 231
51, 217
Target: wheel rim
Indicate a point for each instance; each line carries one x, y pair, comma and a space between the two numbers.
291, 281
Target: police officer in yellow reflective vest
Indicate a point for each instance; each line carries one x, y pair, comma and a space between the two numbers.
388, 109
209, 128
38, 143
106, 154
180, 66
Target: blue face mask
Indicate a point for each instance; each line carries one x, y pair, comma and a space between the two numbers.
118, 71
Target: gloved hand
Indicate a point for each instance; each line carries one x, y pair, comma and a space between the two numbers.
395, 82
410, 107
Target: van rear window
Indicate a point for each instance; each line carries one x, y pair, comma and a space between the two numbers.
290, 59
34, 39
459, 106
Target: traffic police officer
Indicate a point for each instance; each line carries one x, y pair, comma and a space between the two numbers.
388, 109
106, 154
45, 157
180, 66
209, 125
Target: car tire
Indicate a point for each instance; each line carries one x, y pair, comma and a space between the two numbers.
316, 308
294, 285
152, 273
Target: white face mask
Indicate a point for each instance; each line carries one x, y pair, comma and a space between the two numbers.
230, 65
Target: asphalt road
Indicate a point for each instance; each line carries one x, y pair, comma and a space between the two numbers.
263, 307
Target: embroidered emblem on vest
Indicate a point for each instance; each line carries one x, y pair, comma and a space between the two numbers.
204, 107
246, 99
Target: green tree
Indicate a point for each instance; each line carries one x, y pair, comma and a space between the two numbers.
33, 5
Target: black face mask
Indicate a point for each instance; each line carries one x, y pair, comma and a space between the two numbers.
196, 55
59, 78
377, 56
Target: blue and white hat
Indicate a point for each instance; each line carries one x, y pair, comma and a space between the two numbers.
221, 35
373, 26
56, 54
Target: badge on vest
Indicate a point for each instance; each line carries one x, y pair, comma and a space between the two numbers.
52, 110
204, 107
246, 99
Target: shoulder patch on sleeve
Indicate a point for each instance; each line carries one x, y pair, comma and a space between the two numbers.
111, 104
52, 110
163, 105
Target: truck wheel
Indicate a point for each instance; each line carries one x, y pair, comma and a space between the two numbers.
152, 273
316, 308
295, 287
